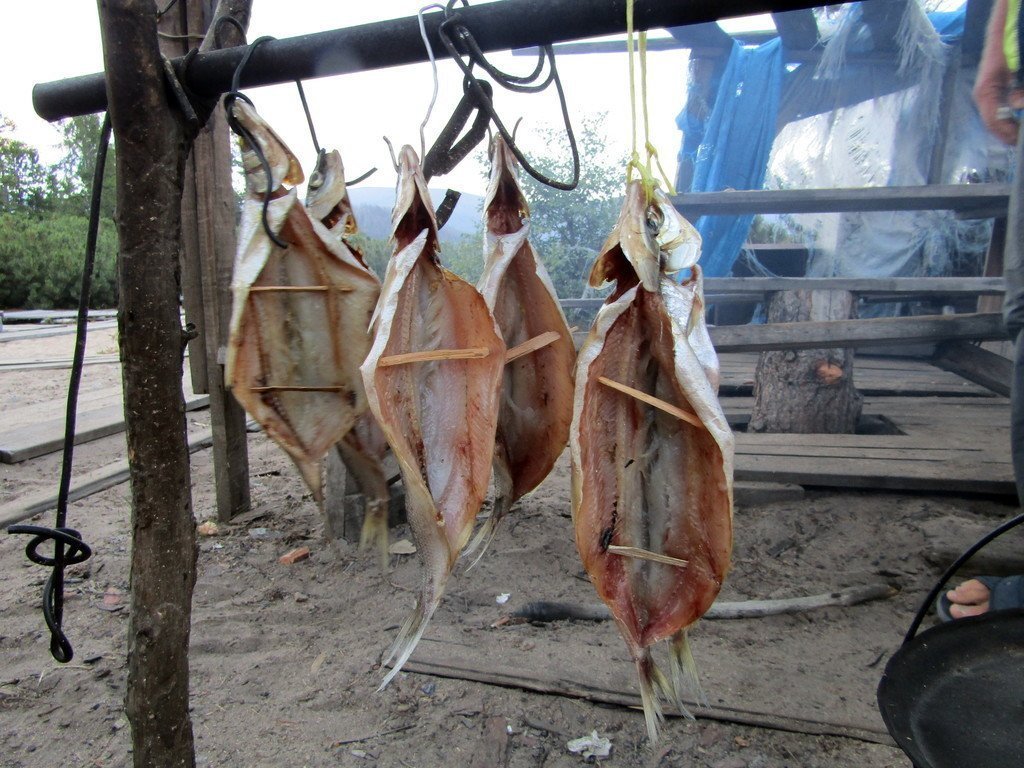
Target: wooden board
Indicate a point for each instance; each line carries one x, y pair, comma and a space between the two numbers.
98, 480
991, 370
857, 333
949, 444
48, 436
963, 198
871, 375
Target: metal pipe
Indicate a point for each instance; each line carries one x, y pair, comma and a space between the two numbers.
381, 44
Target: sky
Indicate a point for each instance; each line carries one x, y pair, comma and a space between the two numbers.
351, 112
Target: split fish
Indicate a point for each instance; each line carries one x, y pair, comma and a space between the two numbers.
537, 388
652, 490
292, 358
363, 448
439, 415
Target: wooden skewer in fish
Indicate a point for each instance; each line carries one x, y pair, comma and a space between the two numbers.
363, 449
291, 360
651, 490
537, 384
439, 416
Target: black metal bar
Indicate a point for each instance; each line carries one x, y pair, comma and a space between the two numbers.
496, 26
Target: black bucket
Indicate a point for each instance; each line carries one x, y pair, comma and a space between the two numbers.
953, 695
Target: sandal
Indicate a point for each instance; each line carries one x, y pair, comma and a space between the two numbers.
1004, 593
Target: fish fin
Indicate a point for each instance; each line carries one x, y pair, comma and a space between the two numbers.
485, 533
410, 634
652, 686
684, 672
374, 533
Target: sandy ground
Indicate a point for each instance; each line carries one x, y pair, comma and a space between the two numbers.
285, 659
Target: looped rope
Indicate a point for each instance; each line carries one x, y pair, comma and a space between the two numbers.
68, 546
69, 549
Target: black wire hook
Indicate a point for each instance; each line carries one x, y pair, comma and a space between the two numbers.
522, 84
68, 547
229, 103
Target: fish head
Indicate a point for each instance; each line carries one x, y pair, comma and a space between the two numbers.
327, 196
631, 253
650, 238
678, 240
284, 166
505, 204
414, 210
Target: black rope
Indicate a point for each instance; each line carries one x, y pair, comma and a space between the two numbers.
229, 102
309, 119
452, 29
68, 547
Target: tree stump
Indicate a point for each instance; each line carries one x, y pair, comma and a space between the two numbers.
808, 390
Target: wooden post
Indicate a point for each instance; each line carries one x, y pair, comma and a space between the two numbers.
151, 146
208, 222
994, 265
809, 390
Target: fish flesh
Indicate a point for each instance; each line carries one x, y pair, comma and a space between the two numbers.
433, 379
292, 357
652, 453
537, 388
363, 449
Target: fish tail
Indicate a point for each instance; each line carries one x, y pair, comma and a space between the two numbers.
684, 673
374, 533
411, 632
653, 687
502, 504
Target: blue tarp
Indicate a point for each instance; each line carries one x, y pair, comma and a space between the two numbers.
736, 143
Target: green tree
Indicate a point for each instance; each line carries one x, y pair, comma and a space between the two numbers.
25, 182
74, 172
568, 228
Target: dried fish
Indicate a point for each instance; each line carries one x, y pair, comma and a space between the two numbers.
439, 415
363, 448
290, 360
652, 490
537, 388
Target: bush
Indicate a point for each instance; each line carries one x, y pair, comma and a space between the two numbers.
41, 260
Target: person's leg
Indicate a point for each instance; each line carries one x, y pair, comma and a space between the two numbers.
972, 597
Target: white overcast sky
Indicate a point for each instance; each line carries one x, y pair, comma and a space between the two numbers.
351, 112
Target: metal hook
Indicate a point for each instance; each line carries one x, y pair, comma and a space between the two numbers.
433, 66
391, 151
229, 108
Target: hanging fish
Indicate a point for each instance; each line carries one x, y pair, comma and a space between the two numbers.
537, 386
363, 448
652, 453
433, 381
293, 357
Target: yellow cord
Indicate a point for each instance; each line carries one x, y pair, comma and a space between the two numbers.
646, 171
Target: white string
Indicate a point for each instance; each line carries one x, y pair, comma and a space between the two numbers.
433, 66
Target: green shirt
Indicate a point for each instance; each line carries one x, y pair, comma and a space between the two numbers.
1011, 46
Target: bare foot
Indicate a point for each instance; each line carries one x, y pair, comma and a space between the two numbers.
969, 599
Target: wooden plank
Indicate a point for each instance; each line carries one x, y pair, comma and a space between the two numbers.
99, 479
994, 264
45, 437
976, 364
963, 198
44, 332
857, 333
540, 682
880, 474
946, 286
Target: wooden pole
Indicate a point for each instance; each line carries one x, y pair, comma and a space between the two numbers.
208, 220
151, 148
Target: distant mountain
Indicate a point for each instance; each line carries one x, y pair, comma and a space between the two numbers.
373, 212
